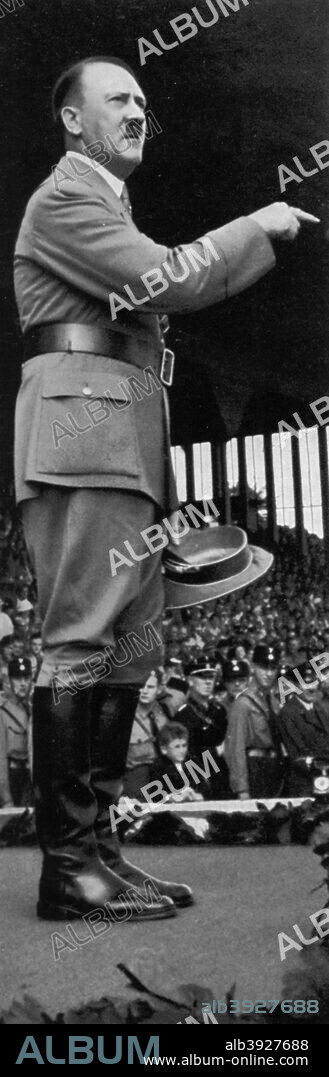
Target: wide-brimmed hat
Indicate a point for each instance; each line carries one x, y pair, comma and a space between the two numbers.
210, 562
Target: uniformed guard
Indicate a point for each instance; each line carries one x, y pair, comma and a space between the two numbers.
236, 676
252, 744
304, 728
204, 719
15, 779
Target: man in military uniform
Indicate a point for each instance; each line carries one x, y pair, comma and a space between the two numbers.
15, 779
151, 716
235, 679
90, 288
252, 747
304, 730
204, 719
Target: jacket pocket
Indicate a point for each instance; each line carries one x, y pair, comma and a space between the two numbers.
86, 425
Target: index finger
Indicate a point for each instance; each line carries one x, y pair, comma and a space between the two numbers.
302, 216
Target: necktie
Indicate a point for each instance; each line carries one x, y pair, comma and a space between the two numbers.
126, 200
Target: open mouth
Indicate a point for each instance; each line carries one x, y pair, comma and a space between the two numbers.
134, 134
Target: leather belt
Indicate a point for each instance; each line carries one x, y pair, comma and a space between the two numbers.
309, 761
262, 753
74, 337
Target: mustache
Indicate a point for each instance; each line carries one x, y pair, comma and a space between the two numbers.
134, 128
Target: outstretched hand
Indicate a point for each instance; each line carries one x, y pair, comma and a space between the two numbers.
281, 221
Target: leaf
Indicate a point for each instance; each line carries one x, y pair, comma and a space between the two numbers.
25, 1012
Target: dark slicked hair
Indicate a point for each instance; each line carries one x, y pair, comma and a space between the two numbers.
172, 731
68, 84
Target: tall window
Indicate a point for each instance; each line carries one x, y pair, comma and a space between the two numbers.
311, 486
283, 479
179, 466
232, 463
202, 471
256, 478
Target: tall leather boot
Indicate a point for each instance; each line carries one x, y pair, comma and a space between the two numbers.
113, 714
74, 879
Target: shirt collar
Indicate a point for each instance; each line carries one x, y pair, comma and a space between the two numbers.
113, 181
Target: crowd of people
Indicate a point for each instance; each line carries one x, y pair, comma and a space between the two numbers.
236, 700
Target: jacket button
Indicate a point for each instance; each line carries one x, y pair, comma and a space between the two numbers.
87, 391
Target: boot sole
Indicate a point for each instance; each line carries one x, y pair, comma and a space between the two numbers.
66, 912
182, 903
136, 879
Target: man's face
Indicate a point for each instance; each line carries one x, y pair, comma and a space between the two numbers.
18, 648
148, 693
293, 644
36, 645
236, 686
265, 676
177, 750
310, 692
173, 649
113, 111
22, 622
202, 685
8, 652
240, 651
20, 686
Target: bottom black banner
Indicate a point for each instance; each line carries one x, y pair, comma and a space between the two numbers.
218, 1046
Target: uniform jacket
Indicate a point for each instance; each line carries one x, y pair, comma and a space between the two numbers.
206, 725
77, 246
248, 727
144, 733
14, 731
305, 732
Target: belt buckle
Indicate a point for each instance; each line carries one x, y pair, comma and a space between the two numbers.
167, 366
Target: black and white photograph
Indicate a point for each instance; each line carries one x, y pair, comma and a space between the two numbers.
164, 599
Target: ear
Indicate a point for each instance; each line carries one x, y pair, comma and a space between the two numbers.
71, 119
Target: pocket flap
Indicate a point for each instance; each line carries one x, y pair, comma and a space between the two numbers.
85, 384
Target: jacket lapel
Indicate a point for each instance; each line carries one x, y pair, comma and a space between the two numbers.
76, 170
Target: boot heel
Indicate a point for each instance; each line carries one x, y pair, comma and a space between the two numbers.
57, 912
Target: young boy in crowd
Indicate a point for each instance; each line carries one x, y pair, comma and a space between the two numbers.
183, 784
